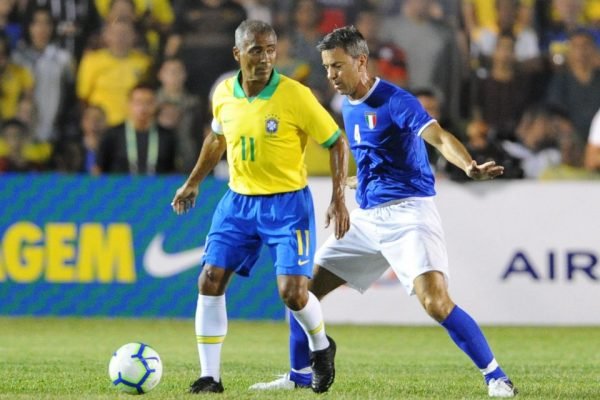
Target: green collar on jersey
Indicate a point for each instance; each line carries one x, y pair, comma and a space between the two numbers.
264, 94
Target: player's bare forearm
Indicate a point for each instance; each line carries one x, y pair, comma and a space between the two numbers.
338, 162
212, 151
455, 152
447, 144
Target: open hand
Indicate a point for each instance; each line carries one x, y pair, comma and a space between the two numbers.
480, 172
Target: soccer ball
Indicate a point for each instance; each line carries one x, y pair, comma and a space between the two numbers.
135, 368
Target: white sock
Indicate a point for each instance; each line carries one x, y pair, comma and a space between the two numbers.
211, 328
311, 320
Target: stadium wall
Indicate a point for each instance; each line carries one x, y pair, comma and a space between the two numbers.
520, 252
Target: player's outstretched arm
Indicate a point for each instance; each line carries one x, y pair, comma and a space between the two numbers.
213, 148
337, 211
454, 151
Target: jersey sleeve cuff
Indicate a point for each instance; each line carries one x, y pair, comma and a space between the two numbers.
329, 142
216, 127
431, 121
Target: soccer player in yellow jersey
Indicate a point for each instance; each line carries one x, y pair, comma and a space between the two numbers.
263, 120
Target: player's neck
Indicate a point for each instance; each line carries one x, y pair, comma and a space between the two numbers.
362, 88
253, 88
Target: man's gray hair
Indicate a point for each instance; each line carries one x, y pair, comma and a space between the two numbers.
347, 38
250, 28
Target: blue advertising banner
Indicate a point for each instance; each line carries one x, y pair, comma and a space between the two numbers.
112, 246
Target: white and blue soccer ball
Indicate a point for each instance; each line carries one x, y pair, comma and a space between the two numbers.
135, 368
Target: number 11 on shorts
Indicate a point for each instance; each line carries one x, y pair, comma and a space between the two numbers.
303, 246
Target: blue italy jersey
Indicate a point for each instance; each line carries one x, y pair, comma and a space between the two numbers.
384, 130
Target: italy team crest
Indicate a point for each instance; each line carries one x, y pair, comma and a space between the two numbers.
371, 119
271, 124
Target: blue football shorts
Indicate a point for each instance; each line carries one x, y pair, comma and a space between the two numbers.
284, 222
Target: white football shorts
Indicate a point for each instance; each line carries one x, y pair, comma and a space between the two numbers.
406, 235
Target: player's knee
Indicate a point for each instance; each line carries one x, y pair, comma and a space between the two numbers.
437, 307
294, 297
211, 282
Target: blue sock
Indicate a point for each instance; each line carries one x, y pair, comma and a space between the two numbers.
466, 334
299, 353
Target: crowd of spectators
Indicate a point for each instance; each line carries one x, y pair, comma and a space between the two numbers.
123, 86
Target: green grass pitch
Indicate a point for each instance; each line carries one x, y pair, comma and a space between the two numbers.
54, 358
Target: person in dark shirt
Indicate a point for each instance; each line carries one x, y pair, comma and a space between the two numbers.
139, 145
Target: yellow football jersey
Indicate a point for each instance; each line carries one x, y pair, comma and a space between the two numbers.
266, 135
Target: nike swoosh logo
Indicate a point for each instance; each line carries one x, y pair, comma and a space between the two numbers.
302, 262
160, 264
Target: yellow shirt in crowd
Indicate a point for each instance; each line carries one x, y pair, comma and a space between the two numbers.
105, 81
161, 10
14, 81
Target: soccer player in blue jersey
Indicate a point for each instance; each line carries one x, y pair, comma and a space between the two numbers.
397, 223
263, 120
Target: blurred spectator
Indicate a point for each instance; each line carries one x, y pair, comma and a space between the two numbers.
478, 15
305, 34
152, 20
484, 148
106, 76
502, 93
526, 43
12, 30
180, 111
432, 104
336, 13
561, 19
202, 38
592, 149
154, 15
572, 162
260, 10
139, 145
286, 63
53, 70
19, 153
16, 82
390, 60
576, 88
125, 10
75, 21
431, 51
536, 145
79, 154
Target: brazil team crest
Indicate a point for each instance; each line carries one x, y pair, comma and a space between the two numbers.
371, 119
271, 124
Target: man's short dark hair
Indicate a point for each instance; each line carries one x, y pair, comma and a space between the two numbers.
143, 86
582, 32
251, 27
347, 38
14, 122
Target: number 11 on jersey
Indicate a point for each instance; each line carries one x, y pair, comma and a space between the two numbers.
247, 148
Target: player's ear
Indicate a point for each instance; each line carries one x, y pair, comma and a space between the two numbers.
236, 54
363, 59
